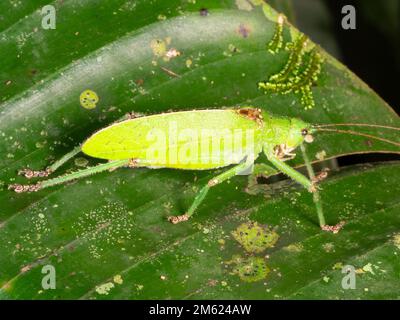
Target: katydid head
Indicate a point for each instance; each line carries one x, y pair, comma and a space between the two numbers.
288, 132
299, 131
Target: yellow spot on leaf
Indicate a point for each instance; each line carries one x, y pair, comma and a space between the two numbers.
396, 240
189, 63
244, 5
81, 162
368, 268
294, 247
250, 269
338, 266
88, 99
104, 289
159, 47
255, 238
118, 279
321, 155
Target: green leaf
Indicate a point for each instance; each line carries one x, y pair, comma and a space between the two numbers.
107, 235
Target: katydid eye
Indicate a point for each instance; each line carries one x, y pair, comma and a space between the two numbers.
304, 132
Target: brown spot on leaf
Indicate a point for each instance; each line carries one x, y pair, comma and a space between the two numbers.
212, 282
139, 82
204, 12
368, 143
32, 72
26, 268
243, 30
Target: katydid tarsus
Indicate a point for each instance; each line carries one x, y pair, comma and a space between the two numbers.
199, 140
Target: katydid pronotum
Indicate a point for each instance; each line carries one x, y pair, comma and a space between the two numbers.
199, 140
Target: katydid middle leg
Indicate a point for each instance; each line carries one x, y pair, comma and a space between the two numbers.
211, 183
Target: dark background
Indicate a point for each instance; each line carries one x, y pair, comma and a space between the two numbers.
372, 50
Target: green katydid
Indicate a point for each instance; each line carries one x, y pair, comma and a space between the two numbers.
199, 140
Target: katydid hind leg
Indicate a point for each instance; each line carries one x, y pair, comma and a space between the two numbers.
211, 183
19, 188
29, 173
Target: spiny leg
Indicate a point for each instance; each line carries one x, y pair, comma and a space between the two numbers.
68, 177
316, 196
289, 171
309, 185
298, 177
211, 183
29, 173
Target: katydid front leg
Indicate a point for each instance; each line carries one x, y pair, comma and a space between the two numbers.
298, 177
289, 171
316, 196
211, 183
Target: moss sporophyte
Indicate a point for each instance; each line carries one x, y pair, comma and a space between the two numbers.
301, 70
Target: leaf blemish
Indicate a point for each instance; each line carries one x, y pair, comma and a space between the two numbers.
105, 288
88, 99
255, 238
244, 5
294, 248
108, 224
204, 12
250, 269
159, 47
396, 240
243, 30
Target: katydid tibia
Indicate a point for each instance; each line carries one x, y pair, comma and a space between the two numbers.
198, 140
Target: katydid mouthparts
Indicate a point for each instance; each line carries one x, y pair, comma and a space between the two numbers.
200, 140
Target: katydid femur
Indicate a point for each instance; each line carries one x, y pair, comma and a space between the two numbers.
198, 140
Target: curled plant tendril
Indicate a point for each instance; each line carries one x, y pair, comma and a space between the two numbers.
300, 72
